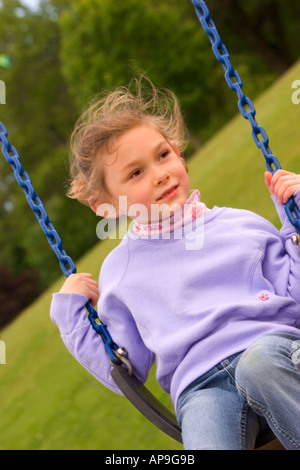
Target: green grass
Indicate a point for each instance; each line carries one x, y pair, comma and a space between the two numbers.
48, 401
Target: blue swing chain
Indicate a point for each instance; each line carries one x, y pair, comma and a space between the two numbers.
66, 263
245, 105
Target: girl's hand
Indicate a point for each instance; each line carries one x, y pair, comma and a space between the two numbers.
81, 283
283, 184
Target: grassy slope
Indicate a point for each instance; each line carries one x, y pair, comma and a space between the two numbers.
48, 401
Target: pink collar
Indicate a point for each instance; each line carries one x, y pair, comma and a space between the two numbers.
192, 209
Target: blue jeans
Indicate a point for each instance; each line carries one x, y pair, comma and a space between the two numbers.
242, 396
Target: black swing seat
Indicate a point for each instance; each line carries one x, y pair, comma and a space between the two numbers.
146, 403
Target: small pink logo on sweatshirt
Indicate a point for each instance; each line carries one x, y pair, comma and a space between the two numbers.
263, 297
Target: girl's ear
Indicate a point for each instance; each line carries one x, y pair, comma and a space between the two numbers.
103, 208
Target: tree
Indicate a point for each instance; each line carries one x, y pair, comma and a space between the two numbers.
39, 115
115, 40
266, 29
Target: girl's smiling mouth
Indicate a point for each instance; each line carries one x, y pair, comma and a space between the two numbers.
169, 193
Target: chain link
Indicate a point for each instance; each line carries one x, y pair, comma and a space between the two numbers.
12, 157
66, 263
245, 105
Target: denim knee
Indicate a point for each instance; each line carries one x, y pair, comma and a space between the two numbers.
264, 364
268, 378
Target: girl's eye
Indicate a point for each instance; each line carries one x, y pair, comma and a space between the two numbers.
135, 174
164, 154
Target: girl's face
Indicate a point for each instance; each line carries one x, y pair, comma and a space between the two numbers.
147, 169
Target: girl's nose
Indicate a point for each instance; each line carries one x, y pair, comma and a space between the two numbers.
160, 177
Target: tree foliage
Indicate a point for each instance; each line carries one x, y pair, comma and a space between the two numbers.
39, 114
115, 40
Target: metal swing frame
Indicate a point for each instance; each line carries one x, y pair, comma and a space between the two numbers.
121, 371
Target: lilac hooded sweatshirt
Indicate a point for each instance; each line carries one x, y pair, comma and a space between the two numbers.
188, 308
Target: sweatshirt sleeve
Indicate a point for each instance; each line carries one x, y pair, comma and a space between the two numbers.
287, 229
290, 249
68, 312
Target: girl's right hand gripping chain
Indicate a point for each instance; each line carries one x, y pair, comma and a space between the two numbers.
81, 283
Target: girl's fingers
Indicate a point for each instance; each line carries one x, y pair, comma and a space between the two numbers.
283, 184
83, 284
268, 178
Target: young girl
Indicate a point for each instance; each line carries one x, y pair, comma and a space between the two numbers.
222, 316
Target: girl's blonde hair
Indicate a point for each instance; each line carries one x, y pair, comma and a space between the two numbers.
108, 118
